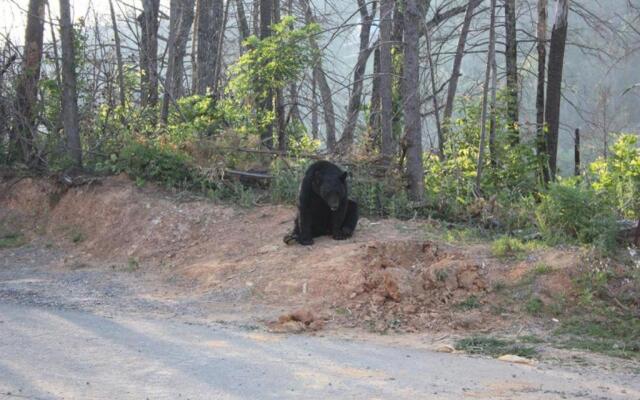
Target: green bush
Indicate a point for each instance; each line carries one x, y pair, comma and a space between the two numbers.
286, 182
506, 246
149, 161
618, 177
450, 180
574, 211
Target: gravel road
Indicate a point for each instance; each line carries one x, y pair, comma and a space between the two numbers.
94, 333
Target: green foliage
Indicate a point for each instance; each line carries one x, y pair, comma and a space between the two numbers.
603, 332
150, 161
542, 269
619, 176
12, 239
269, 64
77, 237
570, 211
507, 246
494, 347
380, 197
285, 185
534, 306
450, 181
469, 303
197, 116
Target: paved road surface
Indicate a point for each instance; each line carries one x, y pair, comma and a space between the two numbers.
47, 353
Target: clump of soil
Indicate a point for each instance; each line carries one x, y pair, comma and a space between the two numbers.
297, 322
410, 284
386, 277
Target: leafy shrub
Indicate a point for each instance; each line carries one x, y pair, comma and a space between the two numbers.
268, 65
450, 180
494, 347
286, 182
149, 161
619, 177
381, 197
506, 246
576, 211
534, 306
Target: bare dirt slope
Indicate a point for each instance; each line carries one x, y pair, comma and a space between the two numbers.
389, 276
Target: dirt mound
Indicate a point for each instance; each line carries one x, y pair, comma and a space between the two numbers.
386, 277
408, 284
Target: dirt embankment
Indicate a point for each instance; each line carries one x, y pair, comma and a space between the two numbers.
388, 276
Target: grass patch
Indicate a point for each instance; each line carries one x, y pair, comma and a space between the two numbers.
498, 286
537, 271
542, 269
494, 347
613, 335
531, 339
534, 306
469, 303
506, 246
132, 264
10, 240
464, 235
341, 311
77, 237
441, 275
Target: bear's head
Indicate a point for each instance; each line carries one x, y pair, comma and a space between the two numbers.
332, 188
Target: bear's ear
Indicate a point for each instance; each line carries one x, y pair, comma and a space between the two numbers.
343, 177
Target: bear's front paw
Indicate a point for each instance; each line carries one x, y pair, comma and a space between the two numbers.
305, 242
340, 236
290, 239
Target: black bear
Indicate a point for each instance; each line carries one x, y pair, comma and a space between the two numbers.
323, 205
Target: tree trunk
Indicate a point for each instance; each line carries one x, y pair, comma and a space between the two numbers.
56, 126
327, 105
116, 37
326, 97
386, 77
355, 100
397, 50
294, 111
493, 149
219, 55
314, 108
255, 14
7, 60
266, 104
69, 93
576, 153
540, 93
374, 106
209, 29
243, 26
281, 123
485, 95
194, 47
54, 45
181, 18
148, 21
411, 100
455, 74
24, 132
434, 90
554, 84
511, 54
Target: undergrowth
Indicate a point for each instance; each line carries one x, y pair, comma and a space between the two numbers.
494, 347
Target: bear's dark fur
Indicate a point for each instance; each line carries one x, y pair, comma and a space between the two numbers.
323, 205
